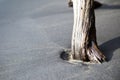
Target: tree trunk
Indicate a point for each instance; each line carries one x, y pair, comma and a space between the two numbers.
84, 46
96, 4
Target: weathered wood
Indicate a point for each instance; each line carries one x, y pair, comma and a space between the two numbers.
84, 45
96, 4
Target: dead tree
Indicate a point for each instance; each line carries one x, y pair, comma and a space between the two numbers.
84, 45
96, 4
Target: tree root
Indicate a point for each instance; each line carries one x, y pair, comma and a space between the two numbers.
95, 55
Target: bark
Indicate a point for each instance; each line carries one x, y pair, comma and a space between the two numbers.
84, 45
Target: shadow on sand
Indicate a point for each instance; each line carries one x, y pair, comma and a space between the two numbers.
106, 6
109, 47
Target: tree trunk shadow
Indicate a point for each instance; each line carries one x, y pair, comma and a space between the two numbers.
108, 6
109, 47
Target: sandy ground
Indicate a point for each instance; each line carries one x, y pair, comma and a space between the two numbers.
34, 32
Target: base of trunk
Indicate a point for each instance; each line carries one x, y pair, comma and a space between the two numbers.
92, 55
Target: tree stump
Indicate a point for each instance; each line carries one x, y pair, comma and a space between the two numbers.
84, 45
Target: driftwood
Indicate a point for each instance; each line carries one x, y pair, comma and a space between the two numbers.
84, 45
96, 4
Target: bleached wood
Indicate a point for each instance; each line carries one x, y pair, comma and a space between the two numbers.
84, 46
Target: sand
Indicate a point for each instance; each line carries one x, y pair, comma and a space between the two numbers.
34, 32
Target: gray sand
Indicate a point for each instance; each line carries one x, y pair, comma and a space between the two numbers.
34, 32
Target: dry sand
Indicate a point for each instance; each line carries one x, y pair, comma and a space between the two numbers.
33, 32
